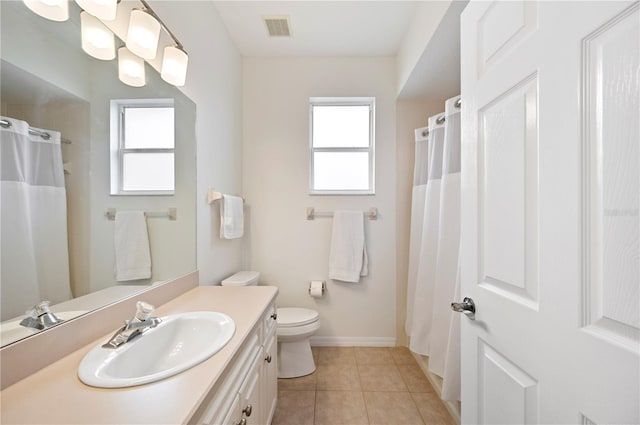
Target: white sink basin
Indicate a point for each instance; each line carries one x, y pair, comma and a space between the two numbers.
178, 343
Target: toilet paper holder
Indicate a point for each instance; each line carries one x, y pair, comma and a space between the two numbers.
324, 286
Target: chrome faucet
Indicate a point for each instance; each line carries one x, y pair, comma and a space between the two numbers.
134, 327
40, 317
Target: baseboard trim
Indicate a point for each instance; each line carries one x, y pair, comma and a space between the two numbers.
436, 382
348, 341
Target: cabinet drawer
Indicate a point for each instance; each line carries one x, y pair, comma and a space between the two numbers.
270, 321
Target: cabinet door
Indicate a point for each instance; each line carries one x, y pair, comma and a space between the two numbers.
270, 378
250, 393
233, 415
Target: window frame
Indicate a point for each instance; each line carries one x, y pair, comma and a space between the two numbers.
117, 143
370, 150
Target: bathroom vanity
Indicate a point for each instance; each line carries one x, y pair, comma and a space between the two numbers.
237, 385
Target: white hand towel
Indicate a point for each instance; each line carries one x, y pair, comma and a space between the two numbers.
231, 217
133, 257
348, 256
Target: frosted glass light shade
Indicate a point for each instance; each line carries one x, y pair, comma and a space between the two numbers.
143, 34
103, 9
174, 66
130, 68
55, 10
97, 40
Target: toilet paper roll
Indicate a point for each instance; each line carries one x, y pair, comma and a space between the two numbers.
316, 288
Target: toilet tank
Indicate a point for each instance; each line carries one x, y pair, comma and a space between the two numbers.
243, 278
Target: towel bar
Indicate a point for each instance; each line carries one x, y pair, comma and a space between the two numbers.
171, 213
372, 213
213, 195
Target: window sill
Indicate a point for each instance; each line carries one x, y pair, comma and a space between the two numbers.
145, 193
342, 192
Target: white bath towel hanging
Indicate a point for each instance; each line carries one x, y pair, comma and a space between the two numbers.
133, 256
231, 217
348, 255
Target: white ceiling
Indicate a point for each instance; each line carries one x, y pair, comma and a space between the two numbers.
319, 28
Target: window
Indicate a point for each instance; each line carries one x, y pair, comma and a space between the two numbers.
142, 147
342, 142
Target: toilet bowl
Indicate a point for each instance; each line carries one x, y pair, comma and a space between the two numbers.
295, 327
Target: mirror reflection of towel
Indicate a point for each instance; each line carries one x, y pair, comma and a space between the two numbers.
348, 256
133, 257
231, 217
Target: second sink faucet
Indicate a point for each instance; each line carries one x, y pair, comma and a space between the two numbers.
134, 327
40, 317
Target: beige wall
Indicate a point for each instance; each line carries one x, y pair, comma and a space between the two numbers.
287, 249
423, 26
409, 116
214, 83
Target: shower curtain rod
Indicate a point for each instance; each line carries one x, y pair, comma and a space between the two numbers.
33, 131
441, 118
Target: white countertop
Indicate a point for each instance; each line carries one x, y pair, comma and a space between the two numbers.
55, 395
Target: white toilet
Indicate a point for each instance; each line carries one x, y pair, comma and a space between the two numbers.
244, 278
295, 327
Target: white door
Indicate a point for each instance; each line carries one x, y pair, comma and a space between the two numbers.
550, 189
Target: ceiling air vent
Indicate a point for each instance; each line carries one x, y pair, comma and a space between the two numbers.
277, 26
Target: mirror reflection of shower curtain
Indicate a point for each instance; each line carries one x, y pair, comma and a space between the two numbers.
33, 220
432, 327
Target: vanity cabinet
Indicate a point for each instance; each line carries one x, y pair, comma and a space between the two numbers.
214, 392
251, 406
270, 381
247, 392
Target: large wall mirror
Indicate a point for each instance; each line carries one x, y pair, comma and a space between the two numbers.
48, 82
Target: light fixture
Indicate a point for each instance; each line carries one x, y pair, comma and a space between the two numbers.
142, 38
97, 40
143, 34
130, 68
174, 66
102, 9
55, 10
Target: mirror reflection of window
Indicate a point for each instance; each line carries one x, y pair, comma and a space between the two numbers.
142, 147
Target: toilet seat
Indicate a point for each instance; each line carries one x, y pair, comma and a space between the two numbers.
291, 317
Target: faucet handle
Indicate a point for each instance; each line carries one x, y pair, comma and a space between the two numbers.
38, 309
143, 310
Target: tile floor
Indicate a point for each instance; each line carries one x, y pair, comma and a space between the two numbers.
360, 385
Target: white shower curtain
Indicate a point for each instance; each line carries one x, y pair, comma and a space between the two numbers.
433, 328
33, 220
420, 177
427, 258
